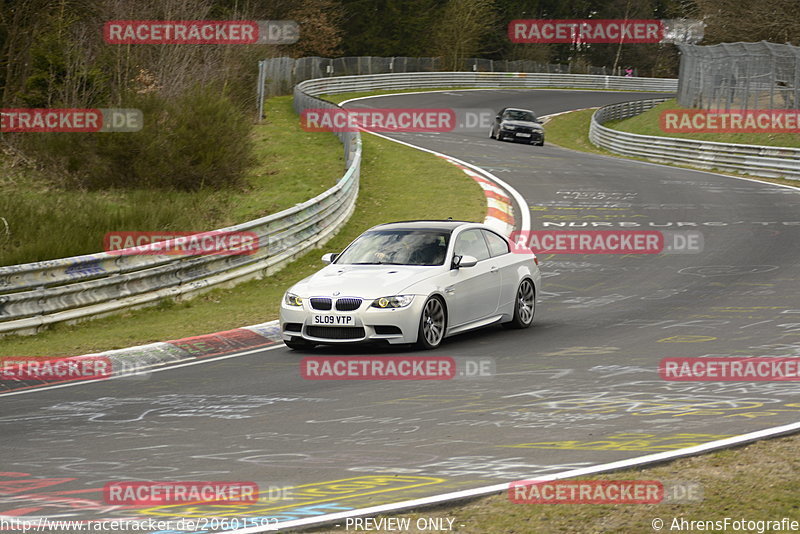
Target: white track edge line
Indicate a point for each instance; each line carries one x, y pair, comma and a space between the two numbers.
566, 90
485, 490
165, 366
666, 165
525, 214
681, 168
496, 488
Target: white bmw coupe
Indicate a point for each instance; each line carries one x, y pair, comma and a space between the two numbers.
413, 282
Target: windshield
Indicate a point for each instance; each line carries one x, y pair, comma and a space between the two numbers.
519, 115
397, 247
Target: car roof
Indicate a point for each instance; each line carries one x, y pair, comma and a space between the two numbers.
519, 109
446, 225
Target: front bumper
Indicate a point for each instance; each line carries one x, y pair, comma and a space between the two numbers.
367, 324
525, 135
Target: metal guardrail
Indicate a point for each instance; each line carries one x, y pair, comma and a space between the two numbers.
756, 160
488, 80
35, 295
278, 75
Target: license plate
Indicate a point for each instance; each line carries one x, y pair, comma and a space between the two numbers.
333, 320
520, 134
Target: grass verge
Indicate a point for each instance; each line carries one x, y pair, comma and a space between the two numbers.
397, 183
754, 482
47, 222
648, 123
571, 130
758, 481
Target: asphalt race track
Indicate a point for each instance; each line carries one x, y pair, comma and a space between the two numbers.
580, 388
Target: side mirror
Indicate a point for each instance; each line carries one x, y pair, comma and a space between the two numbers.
464, 261
468, 261
329, 257
497, 117
538, 121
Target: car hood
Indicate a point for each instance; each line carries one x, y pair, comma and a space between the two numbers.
528, 124
365, 281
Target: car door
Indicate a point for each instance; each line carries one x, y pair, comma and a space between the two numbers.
473, 291
506, 263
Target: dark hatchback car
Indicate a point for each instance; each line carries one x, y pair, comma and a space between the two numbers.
517, 125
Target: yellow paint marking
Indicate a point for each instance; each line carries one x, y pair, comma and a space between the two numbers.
741, 309
582, 351
304, 495
625, 442
686, 339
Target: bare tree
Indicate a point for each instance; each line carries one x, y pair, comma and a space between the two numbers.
462, 30
734, 20
320, 28
21, 23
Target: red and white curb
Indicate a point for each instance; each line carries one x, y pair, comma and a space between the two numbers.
140, 361
500, 209
500, 196
195, 350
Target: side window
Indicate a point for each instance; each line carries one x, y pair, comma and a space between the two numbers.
471, 243
497, 245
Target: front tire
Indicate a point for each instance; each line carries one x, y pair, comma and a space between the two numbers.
298, 343
432, 324
524, 306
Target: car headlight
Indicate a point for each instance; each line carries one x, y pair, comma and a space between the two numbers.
508, 126
396, 301
292, 300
